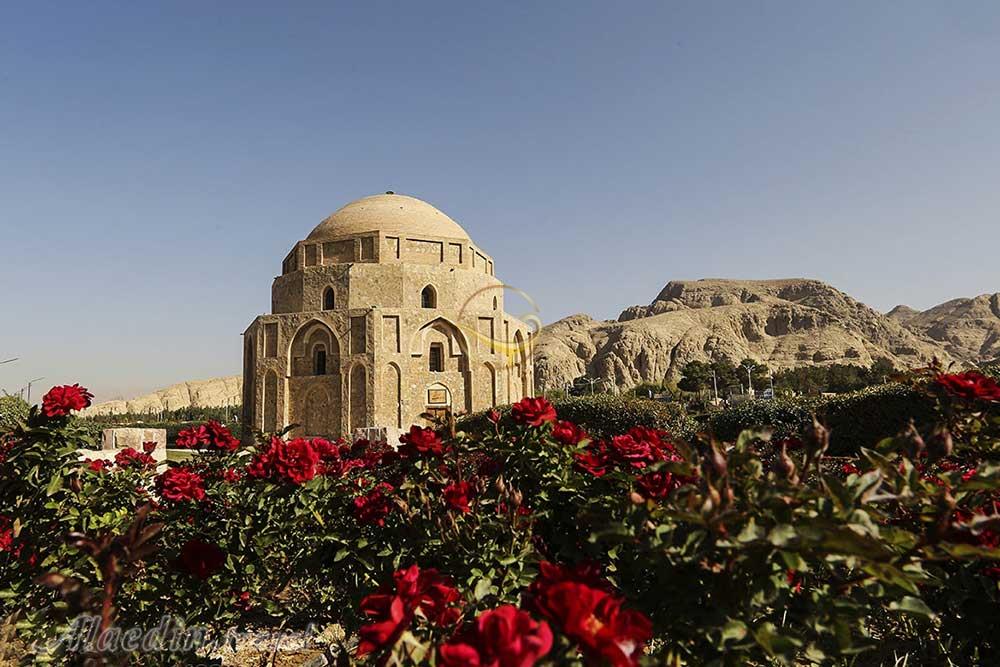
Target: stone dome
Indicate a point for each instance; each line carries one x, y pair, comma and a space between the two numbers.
391, 214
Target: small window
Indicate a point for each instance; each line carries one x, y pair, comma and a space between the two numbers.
428, 298
436, 358
319, 361
495, 303
328, 300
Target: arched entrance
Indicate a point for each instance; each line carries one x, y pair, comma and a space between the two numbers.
314, 401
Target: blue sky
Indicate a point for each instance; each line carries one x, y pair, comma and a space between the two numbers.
157, 161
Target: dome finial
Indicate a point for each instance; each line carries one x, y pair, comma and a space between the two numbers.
389, 192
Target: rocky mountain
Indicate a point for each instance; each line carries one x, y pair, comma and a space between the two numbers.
968, 329
215, 392
783, 323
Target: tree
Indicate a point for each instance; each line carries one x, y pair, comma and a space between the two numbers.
696, 376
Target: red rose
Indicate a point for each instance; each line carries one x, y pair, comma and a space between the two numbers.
97, 465
132, 458
221, 438
794, 580
456, 496
502, 637
6, 534
421, 441
461, 653
533, 411
568, 433
494, 416
61, 400
326, 450
296, 461
971, 385
180, 484
241, 600
636, 453
849, 469
375, 506
595, 620
594, 460
657, 485
232, 475
391, 610
200, 559
193, 436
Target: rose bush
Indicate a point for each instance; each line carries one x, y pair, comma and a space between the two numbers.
528, 542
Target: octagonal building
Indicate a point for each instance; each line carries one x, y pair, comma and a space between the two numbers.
385, 311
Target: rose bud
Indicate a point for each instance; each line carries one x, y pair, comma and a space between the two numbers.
817, 438
911, 436
941, 444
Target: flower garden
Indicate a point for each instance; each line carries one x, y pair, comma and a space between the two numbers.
522, 541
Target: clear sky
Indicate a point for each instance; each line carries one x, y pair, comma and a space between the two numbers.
158, 160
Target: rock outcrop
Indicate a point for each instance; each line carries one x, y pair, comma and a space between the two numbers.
783, 323
216, 392
969, 329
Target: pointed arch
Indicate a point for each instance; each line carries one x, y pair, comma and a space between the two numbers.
329, 299
458, 343
490, 382
393, 394
309, 339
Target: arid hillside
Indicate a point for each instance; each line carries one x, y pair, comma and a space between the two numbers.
783, 323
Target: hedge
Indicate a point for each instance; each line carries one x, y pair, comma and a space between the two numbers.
856, 419
606, 415
13, 409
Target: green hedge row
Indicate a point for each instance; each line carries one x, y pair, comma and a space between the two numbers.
12, 410
606, 415
856, 419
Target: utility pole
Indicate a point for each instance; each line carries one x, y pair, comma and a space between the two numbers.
29, 388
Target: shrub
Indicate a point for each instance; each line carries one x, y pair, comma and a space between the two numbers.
606, 415
855, 419
526, 542
13, 409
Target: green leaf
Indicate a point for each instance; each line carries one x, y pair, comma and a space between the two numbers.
913, 605
54, 484
781, 535
735, 630
483, 587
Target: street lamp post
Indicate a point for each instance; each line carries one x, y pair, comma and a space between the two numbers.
29, 388
749, 368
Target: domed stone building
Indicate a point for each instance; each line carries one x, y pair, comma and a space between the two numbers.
387, 310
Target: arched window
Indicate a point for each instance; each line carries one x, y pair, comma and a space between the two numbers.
495, 303
319, 360
428, 298
435, 360
328, 300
